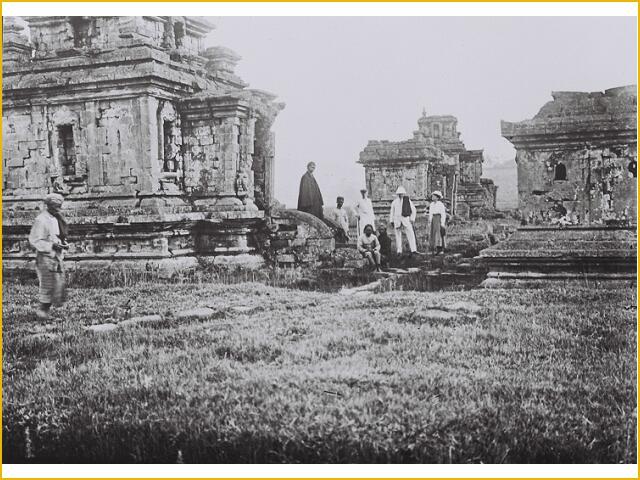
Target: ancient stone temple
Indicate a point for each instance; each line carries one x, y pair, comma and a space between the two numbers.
578, 158
577, 189
160, 150
434, 159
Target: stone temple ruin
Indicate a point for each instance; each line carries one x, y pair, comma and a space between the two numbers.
166, 158
578, 155
577, 188
162, 152
434, 159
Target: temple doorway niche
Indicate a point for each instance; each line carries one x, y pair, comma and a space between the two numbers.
71, 174
82, 29
178, 33
66, 151
560, 172
262, 166
169, 148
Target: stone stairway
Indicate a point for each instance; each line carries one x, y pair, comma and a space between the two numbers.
471, 194
424, 272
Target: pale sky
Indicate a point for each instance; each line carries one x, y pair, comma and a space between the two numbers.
346, 80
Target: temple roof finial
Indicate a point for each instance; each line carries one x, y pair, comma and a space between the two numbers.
424, 111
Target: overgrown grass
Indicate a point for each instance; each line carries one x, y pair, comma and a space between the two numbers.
288, 277
544, 375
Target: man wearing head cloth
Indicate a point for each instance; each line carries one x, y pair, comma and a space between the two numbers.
364, 211
48, 236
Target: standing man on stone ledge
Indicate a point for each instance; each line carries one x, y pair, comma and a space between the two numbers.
49, 237
364, 211
402, 215
309, 197
340, 216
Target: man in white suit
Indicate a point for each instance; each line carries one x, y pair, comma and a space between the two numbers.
402, 216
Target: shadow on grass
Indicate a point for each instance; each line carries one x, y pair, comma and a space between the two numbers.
489, 437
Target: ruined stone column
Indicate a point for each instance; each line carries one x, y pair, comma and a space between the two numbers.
263, 168
16, 48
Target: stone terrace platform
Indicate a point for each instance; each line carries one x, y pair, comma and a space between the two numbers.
548, 253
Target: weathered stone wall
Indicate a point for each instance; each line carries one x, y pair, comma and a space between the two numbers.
64, 36
490, 192
390, 165
228, 148
444, 178
215, 149
107, 147
577, 158
598, 185
299, 238
476, 200
471, 166
115, 150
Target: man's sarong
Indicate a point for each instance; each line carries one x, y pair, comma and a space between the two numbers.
52, 280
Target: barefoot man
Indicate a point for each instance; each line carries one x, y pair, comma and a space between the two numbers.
48, 236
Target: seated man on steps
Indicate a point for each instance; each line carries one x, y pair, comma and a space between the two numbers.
369, 247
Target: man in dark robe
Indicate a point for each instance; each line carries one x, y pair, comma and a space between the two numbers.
309, 197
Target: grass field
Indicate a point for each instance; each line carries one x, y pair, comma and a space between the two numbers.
277, 375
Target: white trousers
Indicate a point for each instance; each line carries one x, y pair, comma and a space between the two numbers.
411, 237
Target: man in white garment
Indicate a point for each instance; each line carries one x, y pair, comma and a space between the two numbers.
364, 212
402, 216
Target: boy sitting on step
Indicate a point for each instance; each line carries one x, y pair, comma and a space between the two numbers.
369, 247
